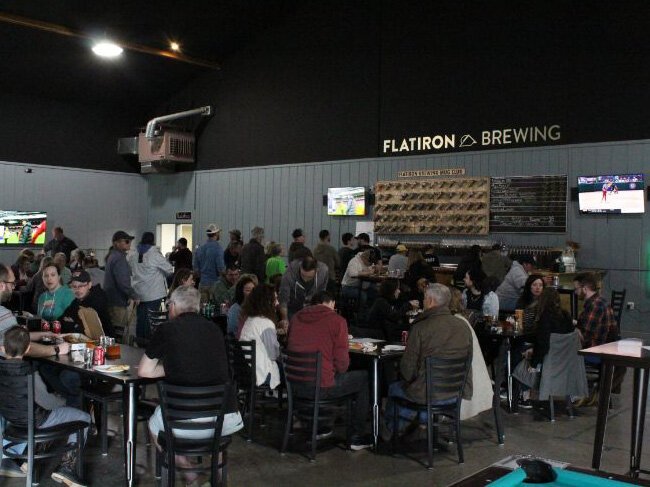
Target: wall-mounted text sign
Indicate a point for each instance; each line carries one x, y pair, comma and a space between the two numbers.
485, 139
427, 173
183, 215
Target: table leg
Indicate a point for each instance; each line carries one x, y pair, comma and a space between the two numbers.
509, 372
130, 404
638, 419
375, 401
603, 408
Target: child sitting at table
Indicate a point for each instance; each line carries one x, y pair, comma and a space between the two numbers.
17, 344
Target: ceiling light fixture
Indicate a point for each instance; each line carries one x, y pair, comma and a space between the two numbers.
107, 49
175, 46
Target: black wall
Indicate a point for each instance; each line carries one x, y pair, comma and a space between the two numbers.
45, 131
336, 79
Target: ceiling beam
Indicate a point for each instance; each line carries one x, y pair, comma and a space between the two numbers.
62, 30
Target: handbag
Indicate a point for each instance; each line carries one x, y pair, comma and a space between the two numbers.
526, 375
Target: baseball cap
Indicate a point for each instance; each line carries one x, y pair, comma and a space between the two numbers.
122, 235
212, 229
401, 248
236, 233
80, 276
526, 259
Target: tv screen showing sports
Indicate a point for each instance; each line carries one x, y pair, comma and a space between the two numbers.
611, 193
22, 228
346, 201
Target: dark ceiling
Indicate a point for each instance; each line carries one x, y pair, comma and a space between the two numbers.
54, 66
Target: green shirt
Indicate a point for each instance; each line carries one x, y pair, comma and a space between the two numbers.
274, 265
52, 305
221, 291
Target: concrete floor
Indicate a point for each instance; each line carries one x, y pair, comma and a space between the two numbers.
260, 464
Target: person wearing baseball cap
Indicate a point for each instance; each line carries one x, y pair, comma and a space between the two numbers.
122, 298
208, 261
232, 253
398, 262
88, 295
363, 244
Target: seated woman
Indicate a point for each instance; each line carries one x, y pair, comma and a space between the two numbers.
183, 277
417, 269
56, 298
387, 312
482, 393
529, 299
243, 288
550, 318
260, 325
417, 293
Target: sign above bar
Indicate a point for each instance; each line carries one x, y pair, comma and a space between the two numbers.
427, 173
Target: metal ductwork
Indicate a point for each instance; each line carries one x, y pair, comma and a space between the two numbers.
150, 132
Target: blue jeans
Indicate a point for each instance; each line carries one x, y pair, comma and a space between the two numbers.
142, 329
405, 415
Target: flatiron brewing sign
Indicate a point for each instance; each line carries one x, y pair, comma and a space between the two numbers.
488, 139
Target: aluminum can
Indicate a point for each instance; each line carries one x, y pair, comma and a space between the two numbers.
99, 356
405, 337
56, 326
45, 325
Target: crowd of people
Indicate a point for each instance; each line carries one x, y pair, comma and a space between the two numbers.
290, 304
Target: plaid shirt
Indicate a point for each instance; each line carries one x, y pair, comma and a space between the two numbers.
597, 323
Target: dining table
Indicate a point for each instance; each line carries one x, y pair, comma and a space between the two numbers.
381, 352
622, 353
128, 380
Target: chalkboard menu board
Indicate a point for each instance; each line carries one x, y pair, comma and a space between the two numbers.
528, 204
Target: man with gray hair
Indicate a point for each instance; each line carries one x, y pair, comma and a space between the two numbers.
189, 350
435, 333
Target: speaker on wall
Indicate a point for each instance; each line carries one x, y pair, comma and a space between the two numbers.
574, 193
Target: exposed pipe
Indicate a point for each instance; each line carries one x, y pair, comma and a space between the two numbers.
149, 133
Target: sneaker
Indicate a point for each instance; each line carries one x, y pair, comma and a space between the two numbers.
63, 475
361, 442
9, 468
527, 404
323, 433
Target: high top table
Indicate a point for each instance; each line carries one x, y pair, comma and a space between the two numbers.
129, 381
625, 353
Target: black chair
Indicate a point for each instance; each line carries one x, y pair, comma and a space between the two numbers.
617, 303
242, 360
41, 443
446, 376
305, 369
182, 403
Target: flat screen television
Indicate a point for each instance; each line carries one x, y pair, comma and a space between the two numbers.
346, 201
22, 228
611, 193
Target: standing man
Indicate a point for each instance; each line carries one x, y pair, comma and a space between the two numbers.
208, 261
233, 251
253, 258
319, 328
325, 253
363, 244
304, 279
181, 256
122, 298
60, 243
513, 283
297, 249
346, 252
436, 333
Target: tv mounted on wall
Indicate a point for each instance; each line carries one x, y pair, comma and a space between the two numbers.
22, 228
349, 201
611, 193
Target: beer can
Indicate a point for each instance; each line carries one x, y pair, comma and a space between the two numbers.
99, 356
56, 326
45, 325
405, 336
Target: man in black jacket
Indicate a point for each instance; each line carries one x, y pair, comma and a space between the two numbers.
60, 243
89, 296
253, 259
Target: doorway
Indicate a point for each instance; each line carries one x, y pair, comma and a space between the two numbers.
167, 234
